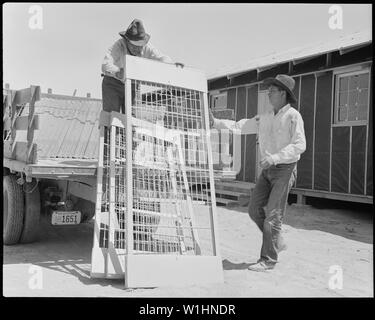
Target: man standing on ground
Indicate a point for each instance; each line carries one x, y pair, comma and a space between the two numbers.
281, 142
134, 41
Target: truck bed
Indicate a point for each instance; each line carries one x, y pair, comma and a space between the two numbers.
54, 168
66, 138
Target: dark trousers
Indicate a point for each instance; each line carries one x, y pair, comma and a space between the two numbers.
113, 95
268, 203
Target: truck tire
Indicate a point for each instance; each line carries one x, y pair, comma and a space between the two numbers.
13, 207
6, 172
31, 220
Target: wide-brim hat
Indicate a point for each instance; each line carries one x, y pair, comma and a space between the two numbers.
285, 82
136, 33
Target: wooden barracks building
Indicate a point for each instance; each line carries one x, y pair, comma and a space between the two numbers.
334, 91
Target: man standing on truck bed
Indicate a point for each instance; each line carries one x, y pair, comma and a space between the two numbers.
134, 41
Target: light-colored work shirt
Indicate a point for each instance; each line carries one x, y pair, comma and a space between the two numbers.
281, 135
115, 57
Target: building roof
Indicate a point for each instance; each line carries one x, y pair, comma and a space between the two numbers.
296, 55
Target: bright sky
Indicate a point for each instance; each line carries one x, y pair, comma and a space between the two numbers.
66, 54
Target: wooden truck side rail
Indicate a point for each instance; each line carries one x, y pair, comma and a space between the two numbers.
13, 100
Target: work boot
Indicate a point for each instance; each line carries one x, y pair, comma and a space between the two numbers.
261, 266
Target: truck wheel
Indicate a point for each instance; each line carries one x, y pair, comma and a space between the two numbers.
12, 210
30, 230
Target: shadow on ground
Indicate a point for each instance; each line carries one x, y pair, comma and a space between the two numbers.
66, 249
353, 221
73, 268
228, 265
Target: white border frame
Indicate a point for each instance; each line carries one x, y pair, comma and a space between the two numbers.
367, 132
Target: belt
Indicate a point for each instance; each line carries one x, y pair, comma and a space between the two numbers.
109, 76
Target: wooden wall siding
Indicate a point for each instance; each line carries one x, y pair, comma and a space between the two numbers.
369, 180
360, 55
231, 99
220, 83
241, 114
231, 104
310, 65
296, 91
250, 139
245, 78
340, 159
273, 72
357, 170
304, 166
322, 131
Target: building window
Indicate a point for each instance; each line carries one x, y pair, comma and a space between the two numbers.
219, 101
352, 98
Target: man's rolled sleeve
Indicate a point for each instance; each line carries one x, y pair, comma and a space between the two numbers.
221, 124
248, 126
113, 53
152, 53
244, 126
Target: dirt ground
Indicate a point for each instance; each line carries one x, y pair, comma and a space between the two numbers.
319, 237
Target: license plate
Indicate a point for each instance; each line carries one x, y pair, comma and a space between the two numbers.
66, 217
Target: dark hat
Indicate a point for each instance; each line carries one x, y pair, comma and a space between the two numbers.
284, 82
136, 33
